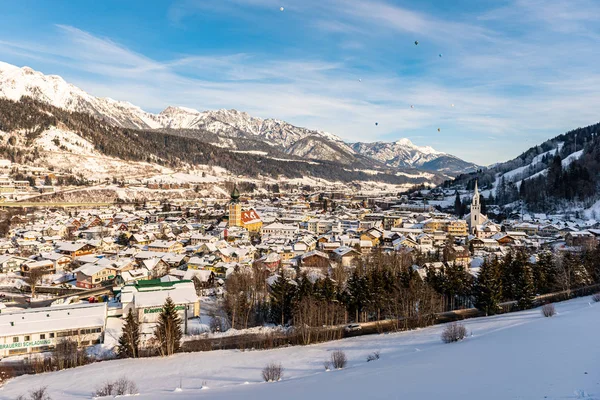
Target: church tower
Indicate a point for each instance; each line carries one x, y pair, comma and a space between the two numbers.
475, 210
235, 208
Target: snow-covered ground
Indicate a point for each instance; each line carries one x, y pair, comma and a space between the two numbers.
514, 356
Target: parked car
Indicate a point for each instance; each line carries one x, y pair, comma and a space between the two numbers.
352, 328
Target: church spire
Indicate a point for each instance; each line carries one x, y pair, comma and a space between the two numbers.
235, 194
476, 195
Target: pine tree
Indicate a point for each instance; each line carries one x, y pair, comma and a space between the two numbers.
129, 341
458, 205
488, 287
168, 329
525, 288
282, 297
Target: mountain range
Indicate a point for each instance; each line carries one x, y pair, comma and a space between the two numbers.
230, 129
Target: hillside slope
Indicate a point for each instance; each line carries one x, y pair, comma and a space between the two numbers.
230, 125
511, 356
561, 172
27, 127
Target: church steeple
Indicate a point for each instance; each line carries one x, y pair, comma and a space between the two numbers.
235, 195
475, 210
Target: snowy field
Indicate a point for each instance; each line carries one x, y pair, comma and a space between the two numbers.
514, 356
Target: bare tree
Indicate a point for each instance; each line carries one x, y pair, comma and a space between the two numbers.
34, 278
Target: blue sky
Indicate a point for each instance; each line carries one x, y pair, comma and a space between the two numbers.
517, 71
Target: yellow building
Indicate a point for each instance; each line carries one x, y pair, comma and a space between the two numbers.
457, 228
250, 220
235, 209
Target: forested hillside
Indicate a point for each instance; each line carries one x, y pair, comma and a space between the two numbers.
27, 119
561, 172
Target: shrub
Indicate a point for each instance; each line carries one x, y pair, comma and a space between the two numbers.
596, 298
548, 310
272, 372
120, 387
454, 332
37, 394
373, 356
338, 359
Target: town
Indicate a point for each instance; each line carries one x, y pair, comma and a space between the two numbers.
75, 273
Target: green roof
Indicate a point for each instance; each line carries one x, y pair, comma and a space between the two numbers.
156, 283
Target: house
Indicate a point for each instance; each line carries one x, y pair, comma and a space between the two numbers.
61, 261
460, 255
141, 239
199, 239
91, 275
580, 238
163, 246
374, 235
314, 259
76, 249
279, 230
11, 263
344, 255
47, 266
271, 261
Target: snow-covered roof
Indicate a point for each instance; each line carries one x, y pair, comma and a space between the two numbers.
48, 319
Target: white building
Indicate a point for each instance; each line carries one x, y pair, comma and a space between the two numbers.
279, 230
39, 329
146, 299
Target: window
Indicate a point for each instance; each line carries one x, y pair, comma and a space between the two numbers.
15, 339
27, 338
51, 335
42, 336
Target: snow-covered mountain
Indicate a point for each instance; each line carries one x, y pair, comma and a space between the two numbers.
235, 123
16, 82
403, 153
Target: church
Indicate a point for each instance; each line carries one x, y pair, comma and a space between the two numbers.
249, 219
479, 225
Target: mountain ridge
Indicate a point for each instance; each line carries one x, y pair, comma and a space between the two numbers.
16, 82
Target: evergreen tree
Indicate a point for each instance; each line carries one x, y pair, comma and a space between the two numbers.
525, 288
544, 273
168, 329
282, 297
458, 205
488, 287
358, 293
129, 342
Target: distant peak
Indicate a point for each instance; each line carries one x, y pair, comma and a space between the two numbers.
179, 109
405, 142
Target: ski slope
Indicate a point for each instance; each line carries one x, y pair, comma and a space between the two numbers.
513, 356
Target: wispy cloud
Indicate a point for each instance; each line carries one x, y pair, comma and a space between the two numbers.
505, 84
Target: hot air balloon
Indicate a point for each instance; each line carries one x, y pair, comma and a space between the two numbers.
440, 55
452, 105
439, 130
416, 42
360, 80
411, 106
376, 123
281, 9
